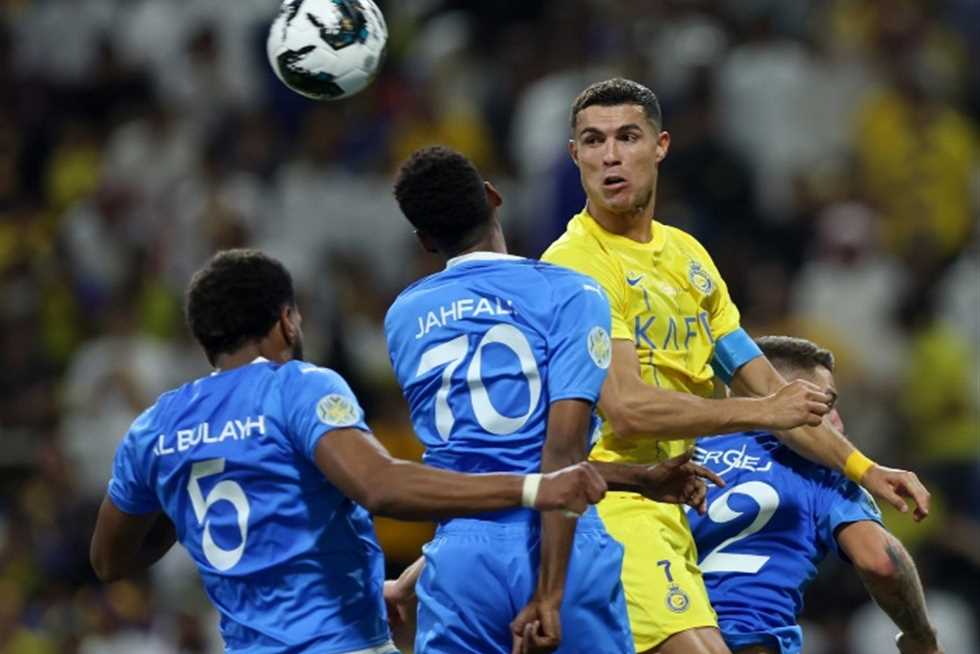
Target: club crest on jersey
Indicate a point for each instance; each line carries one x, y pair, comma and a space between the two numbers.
600, 347
677, 600
700, 279
336, 410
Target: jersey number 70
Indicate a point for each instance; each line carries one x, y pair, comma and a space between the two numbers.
453, 352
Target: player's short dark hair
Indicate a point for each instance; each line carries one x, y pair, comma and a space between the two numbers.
795, 353
617, 91
442, 194
236, 298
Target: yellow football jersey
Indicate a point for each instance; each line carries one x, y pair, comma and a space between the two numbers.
668, 298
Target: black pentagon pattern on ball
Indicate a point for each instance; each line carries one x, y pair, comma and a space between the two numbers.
320, 85
290, 8
352, 28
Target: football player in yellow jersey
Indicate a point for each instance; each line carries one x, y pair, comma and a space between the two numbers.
675, 334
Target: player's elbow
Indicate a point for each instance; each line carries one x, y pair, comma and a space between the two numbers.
623, 419
105, 570
378, 502
878, 561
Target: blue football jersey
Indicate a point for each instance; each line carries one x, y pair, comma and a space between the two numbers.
483, 348
765, 533
289, 561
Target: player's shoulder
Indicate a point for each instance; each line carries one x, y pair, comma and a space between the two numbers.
297, 372
684, 240
156, 418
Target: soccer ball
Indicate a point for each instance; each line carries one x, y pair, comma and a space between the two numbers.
327, 49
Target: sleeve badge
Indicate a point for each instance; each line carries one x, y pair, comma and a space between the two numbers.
600, 347
337, 411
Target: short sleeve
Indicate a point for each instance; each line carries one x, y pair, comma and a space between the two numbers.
841, 502
128, 488
599, 267
579, 345
317, 401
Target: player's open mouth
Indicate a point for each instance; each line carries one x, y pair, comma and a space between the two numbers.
613, 182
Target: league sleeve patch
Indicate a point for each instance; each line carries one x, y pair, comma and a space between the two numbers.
337, 411
600, 347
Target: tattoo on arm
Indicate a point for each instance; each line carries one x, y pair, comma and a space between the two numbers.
901, 596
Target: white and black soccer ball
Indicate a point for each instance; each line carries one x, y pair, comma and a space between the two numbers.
327, 49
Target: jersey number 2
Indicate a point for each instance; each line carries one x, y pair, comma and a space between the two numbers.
226, 489
452, 353
720, 512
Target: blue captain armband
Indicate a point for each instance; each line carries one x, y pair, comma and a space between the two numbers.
732, 351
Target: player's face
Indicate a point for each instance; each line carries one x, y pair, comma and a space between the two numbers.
823, 378
617, 150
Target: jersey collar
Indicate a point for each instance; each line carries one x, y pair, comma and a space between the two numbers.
589, 225
258, 359
481, 256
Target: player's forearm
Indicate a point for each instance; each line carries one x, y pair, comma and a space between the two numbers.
668, 415
822, 444
557, 530
412, 491
623, 477
899, 593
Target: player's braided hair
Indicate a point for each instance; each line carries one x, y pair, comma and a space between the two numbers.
235, 298
795, 353
442, 194
618, 91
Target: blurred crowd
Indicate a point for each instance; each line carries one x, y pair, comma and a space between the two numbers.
826, 152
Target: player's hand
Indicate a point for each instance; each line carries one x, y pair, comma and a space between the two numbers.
570, 489
401, 605
893, 486
911, 645
678, 481
797, 403
537, 628
396, 602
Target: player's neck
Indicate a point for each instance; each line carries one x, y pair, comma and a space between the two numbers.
635, 225
493, 241
239, 358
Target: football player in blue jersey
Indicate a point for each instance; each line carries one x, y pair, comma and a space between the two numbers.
764, 534
263, 471
501, 359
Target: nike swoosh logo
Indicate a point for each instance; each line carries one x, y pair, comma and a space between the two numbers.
634, 282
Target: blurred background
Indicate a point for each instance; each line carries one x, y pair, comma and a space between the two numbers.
826, 153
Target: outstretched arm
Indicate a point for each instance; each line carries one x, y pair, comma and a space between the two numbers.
675, 481
634, 407
823, 443
889, 574
355, 462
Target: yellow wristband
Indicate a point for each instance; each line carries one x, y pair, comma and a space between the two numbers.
856, 465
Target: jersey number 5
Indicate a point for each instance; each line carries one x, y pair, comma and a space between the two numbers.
452, 353
226, 489
720, 512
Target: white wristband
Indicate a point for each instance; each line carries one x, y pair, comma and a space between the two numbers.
530, 493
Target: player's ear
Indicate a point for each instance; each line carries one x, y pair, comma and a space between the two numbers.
573, 150
289, 324
663, 145
493, 195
